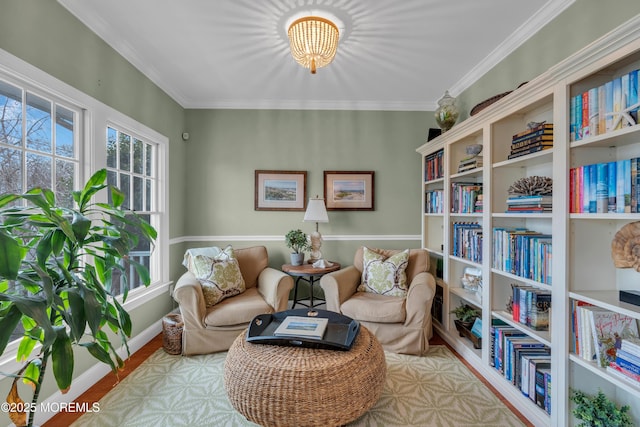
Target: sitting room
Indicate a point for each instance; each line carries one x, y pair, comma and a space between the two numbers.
163, 165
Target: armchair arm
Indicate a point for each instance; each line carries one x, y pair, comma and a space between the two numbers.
188, 294
274, 286
339, 286
420, 296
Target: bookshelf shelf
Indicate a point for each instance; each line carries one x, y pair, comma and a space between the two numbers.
581, 264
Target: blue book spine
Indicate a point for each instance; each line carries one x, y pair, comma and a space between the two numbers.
578, 117
586, 188
593, 182
594, 114
632, 367
611, 183
627, 185
629, 357
634, 180
620, 186
608, 91
602, 188
632, 101
572, 118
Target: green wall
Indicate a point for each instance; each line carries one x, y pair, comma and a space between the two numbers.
580, 24
227, 146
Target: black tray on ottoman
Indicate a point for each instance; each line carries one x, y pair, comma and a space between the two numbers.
340, 333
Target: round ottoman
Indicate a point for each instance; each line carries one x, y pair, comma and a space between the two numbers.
293, 386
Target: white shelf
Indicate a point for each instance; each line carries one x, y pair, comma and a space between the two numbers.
607, 299
581, 241
468, 296
542, 336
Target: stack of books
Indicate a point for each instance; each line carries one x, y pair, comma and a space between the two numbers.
469, 163
532, 140
627, 363
529, 204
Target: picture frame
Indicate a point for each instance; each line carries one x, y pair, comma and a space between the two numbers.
277, 190
349, 190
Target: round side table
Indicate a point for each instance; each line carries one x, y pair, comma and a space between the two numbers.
309, 274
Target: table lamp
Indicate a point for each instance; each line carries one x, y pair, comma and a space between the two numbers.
316, 212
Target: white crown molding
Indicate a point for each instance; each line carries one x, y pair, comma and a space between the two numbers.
523, 33
310, 104
279, 238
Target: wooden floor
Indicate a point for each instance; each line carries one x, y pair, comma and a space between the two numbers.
95, 393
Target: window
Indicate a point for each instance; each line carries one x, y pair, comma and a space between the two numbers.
38, 143
52, 135
131, 166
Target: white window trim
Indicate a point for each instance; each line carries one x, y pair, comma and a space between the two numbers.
97, 116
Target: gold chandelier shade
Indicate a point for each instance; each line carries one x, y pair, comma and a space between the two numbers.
314, 41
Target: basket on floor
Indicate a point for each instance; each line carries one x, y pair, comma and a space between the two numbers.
172, 326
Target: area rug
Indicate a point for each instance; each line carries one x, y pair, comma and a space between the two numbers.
435, 390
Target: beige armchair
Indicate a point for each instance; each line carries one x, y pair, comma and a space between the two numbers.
402, 325
207, 330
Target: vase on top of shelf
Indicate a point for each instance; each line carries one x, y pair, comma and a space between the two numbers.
447, 112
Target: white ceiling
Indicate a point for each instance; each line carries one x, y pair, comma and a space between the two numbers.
392, 55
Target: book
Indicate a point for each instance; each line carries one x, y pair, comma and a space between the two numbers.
537, 130
524, 146
632, 100
594, 116
602, 188
611, 183
298, 326
609, 329
529, 151
631, 345
620, 372
540, 386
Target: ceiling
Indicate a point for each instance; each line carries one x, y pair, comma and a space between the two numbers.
392, 54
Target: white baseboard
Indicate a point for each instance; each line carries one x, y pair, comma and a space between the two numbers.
91, 376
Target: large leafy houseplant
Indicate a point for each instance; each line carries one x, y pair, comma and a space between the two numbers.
58, 267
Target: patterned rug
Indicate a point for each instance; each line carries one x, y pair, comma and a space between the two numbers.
435, 390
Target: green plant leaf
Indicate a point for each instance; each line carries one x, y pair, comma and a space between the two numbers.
27, 344
11, 254
57, 241
5, 199
93, 185
125, 319
32, 372
37, 310
62, 360
80, 225
43, 250
8, 324
49, 196
92, 311
77, 317
117, 197
100, 353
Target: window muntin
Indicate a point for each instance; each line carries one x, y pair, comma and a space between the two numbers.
28, 135
130, 165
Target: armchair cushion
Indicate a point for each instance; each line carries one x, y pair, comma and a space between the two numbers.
219, 275
238, 310
370, 307
383, 274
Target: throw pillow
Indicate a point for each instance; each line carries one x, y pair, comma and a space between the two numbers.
385, 276
190, 254
219, 276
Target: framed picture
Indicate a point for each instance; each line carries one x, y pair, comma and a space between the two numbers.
349, 190
281, 190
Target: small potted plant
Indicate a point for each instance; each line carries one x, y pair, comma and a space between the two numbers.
465, 315
598, 411
297, 241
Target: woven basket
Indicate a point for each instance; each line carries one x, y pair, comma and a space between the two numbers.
292, 386
172, 326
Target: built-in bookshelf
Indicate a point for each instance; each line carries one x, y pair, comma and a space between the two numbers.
546, 254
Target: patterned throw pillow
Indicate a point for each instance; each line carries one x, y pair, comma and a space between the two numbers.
385, 276
190, 254
219, 276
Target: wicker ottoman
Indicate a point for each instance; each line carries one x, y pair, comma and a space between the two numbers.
292, 386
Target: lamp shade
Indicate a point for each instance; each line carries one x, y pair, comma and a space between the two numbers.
316, 211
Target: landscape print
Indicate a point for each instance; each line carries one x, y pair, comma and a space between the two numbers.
280, 190
349, 190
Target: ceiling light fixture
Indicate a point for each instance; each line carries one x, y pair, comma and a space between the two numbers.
313, 41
